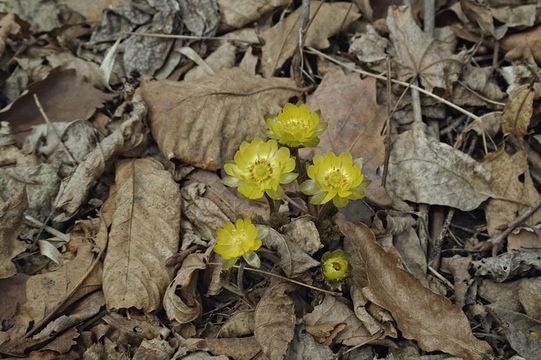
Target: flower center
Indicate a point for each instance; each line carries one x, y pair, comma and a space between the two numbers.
295, 123
335, 179
261, 170
336, 266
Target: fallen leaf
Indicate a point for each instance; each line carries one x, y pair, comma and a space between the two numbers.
425, 170
440, 326
305, 347
528, 40
8, 26
63, 343
459, 267
239, 324
518, 112
200, 17
508, 265
201, 355
369, 47
154, 349
105, 350
211, 127
144, 234
348, 104
524, 238
64, 96
92, 10
529, 295
73, 190
419, 54
303, 232
501, 295
333, 322
293, 260
521, 331
245, 348
274, 319
14, 290
11, 218
327, 19
185, 306
43, 17
510, 178
237, 13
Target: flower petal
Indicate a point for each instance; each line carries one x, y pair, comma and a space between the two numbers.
250, 190
275, 194
309, 187
340, 202
288, 177
317, 199
231, 181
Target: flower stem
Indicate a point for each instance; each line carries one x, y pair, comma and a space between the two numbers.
324, 211
272, 204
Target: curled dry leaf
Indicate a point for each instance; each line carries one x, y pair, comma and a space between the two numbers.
154, 349
237, 13
11, 217
274, 319
201, 122
64, 95
440, 326
509, 265
239, 324
181, 300
144, 234
74, 190
521, 331
418, 54
348, 103
293, 260
333, 322
327, 19
425, 170
524, 42
518, 111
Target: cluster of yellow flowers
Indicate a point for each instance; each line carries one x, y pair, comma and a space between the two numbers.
260, 168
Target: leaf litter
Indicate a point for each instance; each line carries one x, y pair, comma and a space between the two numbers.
118, 119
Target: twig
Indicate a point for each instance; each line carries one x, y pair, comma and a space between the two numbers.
440, 277
388, 142
53, 129
429, 17
259, 271
300, 207
185, 37
496, 240
435, 251
394, 81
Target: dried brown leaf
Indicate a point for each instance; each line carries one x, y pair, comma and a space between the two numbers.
8, 26
507, 171
245, 348
305, 347
521, 331
237, 13
154, 349
348, 103
419, 54
181, 300
526, 42
333, 321
221, 58
144, 234
92, 10
65, 97
293, 260
73, 190
518, 111
425, 170
303, 232
439, 326
11, 218
327, 19
239, 324
211, 125
274, 318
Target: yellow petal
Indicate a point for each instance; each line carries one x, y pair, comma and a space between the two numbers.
340, 202
251, 191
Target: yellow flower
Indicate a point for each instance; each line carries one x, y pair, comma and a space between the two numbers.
236, 240
296, 126
335, 265
260, 167
336, 178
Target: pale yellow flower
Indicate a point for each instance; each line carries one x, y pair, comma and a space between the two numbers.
335, 265
236, 240
296, 126
260, 167
336, 178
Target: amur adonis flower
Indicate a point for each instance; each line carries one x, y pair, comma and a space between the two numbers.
260, 167
239, 239
335, 265
336, 178
296, 126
